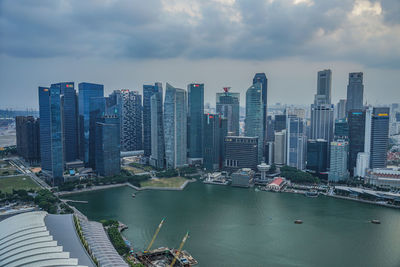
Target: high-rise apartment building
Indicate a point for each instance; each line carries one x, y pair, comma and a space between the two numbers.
195, 122
228, 106
324, 87
175, 127
157, 158
131, 118
296, 142
215, 130
86, 92
338, 161
28, 138
355, 91
254, 121
241, 152
379, 137
148, 92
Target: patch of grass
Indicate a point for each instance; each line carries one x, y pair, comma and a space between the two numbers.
164, 182
133, 169
17, 183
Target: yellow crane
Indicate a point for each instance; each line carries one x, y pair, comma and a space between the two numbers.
178, 253
154, 236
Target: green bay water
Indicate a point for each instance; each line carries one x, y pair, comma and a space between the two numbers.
241, 227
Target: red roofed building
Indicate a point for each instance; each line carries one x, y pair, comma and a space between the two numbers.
276, 184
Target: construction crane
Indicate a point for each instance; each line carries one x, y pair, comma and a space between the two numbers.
155, 235
178, 253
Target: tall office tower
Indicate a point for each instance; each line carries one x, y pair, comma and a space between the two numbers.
96, 111
280, 148
280, 122
195, 122
341, 129
175, 127
28, 138
254, 126
322, 122
379, 137
341, 109
296, 142
69, 113
215, 129
338, 161
86, 92
131, 128
324, 85
356, 120
148, 92
355, 91
298, 112
262, 78
108, 146
228, 106
51, 141
317, 155
241, 152
157, 133
269, 152
362, 164
270, 129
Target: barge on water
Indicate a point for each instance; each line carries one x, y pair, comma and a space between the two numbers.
164, 257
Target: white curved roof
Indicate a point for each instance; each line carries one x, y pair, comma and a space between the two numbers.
26, 241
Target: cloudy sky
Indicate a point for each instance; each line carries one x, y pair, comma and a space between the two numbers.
124, 44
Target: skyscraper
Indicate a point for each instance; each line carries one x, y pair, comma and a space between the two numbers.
356, 120
228, 106
341, 109
317, 155
86, 92
215, 129
97, 111
262, 78
338, 161
322, 122
280, 148
157, 133
241, 152
254, 121
296, 142
195, 122
280, 122
175, 127
324, 87
131, 118
45, 130
355, 91
341, 129
28, 134
379, 137
108, 146
148, 92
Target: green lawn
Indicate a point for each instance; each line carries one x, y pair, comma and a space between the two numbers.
164, 182
133, 169
8, 171
17, 182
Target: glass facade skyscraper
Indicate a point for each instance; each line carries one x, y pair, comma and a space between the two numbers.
97, 111
45, 130
195, 122
338, 161
148, 92
228, 106
131, 128
356, 120
157, 158
355, 91
296, 142
379, 137
57, 159
262, 78
215, 129
324, 87
317, 155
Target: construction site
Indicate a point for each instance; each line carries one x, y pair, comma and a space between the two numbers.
163, 256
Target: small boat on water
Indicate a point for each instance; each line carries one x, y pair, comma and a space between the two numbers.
311, 193
298, 221
376, 221
133, 195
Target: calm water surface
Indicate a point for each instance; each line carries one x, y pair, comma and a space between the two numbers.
240, 227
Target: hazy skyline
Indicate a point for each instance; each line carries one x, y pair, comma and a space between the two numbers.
125, 44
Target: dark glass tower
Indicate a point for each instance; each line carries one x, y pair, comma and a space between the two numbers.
262, 78
355, 91
148, 92
280, 123
195, 122
28, 134
341, 129
317, 155
379, 137
157, 158
356, 120
215, 129
45, 130
228, 106
97, 111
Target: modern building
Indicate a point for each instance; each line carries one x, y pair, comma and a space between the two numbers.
296, 142
355, 91
322, 122
242, 177
341, 109
228, 106
148, 92
383, 177
254, 121
317, 155
86, 92
96, 111
195, 122
270, 129
262, 79
28, 138
362, 164
324, 88
51, 136
175, 127
276, 184
241, 152
269, 152
341, 129
338, 161
215, 130
280, 148
157, 158
263, 168
379, 137
108, 151
131, 128
280, 122
356, 121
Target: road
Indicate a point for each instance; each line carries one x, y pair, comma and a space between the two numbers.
25, 170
